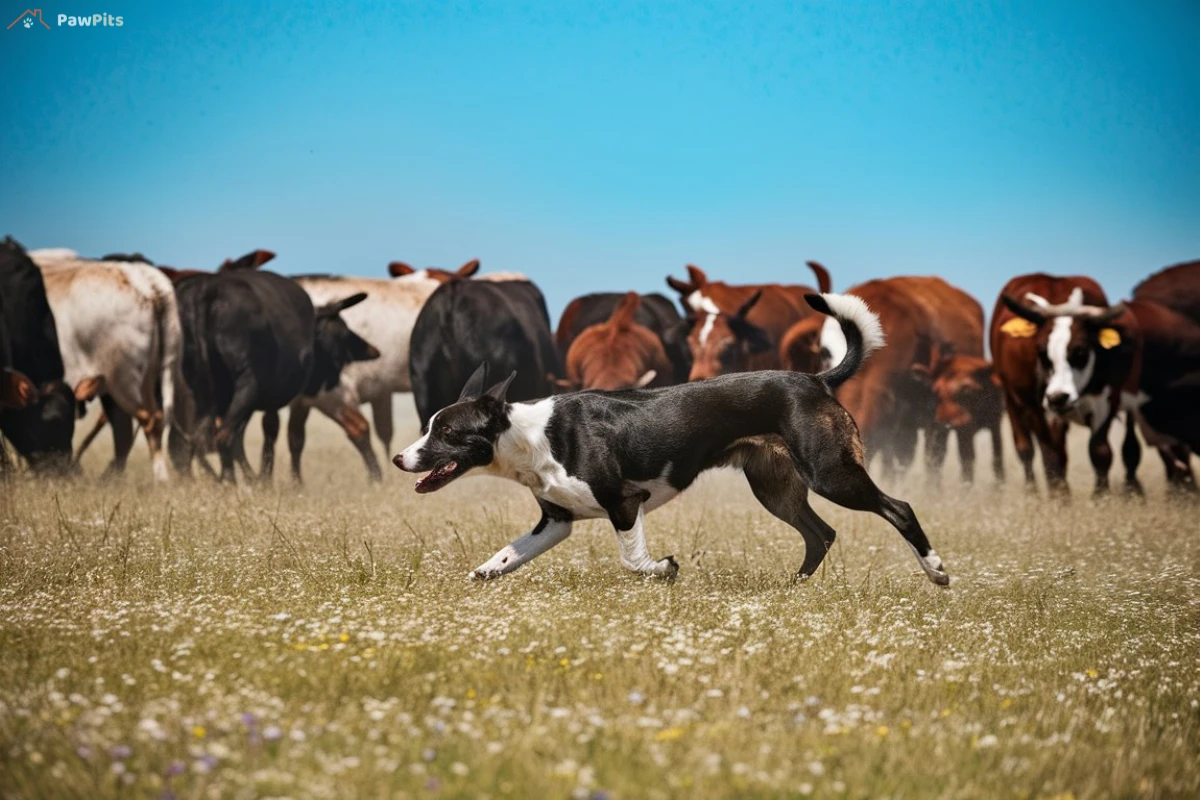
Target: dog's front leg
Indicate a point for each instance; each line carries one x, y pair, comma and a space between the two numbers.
552, 528
634, 555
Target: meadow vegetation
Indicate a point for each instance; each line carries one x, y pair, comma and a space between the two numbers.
202, 641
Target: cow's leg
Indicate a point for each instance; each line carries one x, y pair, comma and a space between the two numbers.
966, 452
297, 417
342, 408
122, 431
101, 421
553, 528
151, 422
1131, 457
270, 428
1052, 440
937, 439
997, 451
778, 486
1022, 426
1177, 459
381, 414
230, 443
239, 452
1101, 454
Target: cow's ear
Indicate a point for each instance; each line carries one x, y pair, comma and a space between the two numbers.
745, 307
333, 309
500, 390
468, 269
474, 385
88, 388
398, 269
699, 279
1023, 311
756, 339
683, 287
564, 384
16, 390
646, 379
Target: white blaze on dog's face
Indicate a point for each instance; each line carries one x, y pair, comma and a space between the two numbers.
460, 437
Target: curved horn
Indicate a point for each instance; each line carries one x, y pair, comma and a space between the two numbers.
824, 282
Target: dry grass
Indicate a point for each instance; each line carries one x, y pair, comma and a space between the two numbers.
200, 641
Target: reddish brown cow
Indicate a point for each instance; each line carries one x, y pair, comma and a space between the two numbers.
924, 318
739, 328
617, 354
800, 349
969, 399
1062, 355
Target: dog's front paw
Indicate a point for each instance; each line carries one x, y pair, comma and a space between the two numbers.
668, 568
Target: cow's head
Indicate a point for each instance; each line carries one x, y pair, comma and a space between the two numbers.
461, 436
800, 350
1077, 345
616, 354
398, 269
722, 343
252, 260
335, 345
964, 387
42, 430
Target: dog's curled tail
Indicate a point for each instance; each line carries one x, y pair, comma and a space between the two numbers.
860, 328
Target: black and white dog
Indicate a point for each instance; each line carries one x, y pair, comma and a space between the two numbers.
622, 454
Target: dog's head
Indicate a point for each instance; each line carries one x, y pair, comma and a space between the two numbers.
460, 437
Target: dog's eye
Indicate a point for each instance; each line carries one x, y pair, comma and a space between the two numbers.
445, 430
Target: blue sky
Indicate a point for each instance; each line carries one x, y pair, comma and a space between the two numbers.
602, 146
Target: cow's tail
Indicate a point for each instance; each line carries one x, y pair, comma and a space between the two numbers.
170, 361
859, 324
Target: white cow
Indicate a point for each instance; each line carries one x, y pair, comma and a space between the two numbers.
385, 319
119, 332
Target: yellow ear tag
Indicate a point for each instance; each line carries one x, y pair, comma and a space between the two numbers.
1109, 338
1019, 328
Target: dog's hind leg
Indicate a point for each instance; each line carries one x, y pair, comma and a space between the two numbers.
773, 479
830, 458
635, 556
553, 528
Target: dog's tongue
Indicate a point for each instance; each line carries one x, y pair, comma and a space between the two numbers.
434, 479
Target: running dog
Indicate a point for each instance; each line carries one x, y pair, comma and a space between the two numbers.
620, 455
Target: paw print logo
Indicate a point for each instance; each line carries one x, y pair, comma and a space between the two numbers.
29, 22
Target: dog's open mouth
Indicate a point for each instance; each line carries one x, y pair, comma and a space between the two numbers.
439, 477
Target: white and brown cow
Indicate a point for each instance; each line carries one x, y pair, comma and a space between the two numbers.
385, 319
119, 333
1087, 368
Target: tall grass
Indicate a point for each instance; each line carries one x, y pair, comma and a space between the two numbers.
201, 641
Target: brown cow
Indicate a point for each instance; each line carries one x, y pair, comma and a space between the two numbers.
969, 399
924, 317
1176, 288
739, 328
398, 269
617, 354
1063, 355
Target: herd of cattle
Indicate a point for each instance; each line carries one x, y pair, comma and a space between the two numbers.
188, 356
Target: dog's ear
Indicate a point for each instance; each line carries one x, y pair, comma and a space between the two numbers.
499, 391
474, 385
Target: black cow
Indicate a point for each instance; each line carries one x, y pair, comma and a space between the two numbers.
253, 342
464, 323
656, 313
41, 431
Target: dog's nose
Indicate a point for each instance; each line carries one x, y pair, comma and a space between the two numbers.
398, 460
1059, 401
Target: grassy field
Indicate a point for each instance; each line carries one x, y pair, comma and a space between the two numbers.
200, 641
